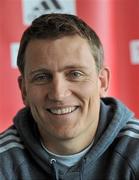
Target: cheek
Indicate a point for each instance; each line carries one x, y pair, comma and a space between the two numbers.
90, 97
89, 90
35, 96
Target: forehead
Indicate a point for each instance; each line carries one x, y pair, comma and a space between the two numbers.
68, 50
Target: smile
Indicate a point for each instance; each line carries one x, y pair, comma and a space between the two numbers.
61, 111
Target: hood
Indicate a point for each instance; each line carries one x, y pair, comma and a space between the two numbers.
30, 137
113, 117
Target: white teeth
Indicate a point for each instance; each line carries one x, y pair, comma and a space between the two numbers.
62, 110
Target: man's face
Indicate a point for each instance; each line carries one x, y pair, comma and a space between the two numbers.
62, 87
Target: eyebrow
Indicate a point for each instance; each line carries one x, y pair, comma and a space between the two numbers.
64, 68
39, 70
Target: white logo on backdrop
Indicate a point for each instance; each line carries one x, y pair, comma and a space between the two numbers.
14, 50
35, 8
134, 51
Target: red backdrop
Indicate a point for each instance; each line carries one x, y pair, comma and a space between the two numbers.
115, 21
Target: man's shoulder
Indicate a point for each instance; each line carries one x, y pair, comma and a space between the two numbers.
127, 144
9, 140
12, 153
131, 129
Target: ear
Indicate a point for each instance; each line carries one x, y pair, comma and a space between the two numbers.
104, 76
21, 84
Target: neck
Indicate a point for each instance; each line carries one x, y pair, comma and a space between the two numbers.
68, 146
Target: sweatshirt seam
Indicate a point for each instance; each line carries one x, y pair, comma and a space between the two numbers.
128, 162
16, 169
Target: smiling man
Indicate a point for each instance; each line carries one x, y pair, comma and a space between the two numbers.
62, 87
68, 129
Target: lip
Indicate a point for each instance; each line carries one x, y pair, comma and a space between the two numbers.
62, 110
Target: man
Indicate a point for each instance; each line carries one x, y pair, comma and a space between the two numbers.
68, 129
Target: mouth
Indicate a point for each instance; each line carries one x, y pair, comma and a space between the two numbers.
62, 111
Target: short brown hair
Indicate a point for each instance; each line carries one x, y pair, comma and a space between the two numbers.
55, 25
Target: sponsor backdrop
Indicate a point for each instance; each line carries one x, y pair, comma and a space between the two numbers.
115, 21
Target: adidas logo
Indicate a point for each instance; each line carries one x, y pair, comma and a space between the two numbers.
9, 140
131, 129
48, 5
39, 7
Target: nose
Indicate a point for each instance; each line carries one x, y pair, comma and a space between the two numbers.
59, 89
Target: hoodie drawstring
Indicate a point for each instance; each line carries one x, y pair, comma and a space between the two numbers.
81, 172
82, 169
54, 166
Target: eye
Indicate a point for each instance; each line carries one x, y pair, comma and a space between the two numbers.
76, 75
42, 78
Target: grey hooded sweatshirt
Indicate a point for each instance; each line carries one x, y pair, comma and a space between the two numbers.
114, 154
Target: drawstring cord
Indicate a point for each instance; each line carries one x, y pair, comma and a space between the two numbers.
81, 172
82, 169
54, 166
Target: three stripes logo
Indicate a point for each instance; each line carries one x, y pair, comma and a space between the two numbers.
9, 140
131, 129
39, 7
50, 5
